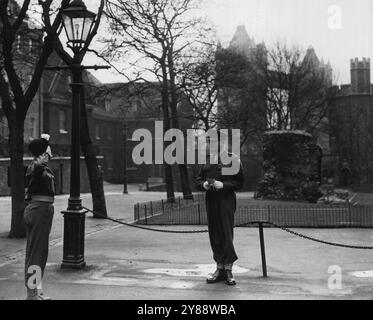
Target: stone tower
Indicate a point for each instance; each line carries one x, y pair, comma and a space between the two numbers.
360, 76
241, 41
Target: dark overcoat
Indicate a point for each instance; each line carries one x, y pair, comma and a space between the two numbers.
220, 207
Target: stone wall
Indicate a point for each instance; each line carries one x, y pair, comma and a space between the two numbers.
291, 166
61, 170
351, 136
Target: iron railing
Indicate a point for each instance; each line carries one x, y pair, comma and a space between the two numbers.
193, 212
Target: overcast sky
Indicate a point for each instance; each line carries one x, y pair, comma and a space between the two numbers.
337, 29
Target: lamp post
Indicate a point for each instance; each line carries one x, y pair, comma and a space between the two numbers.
125, 191
78, 23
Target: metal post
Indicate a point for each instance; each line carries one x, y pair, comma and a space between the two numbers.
125, 191
262, 250
146, 214
74, 216
199, 214
147, 183
136, 212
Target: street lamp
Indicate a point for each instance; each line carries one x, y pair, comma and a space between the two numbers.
78, 23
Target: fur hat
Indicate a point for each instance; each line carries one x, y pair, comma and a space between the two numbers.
38, 146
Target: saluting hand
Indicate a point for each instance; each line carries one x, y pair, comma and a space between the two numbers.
45, 136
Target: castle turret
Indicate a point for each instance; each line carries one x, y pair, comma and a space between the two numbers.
241, 41
360, 76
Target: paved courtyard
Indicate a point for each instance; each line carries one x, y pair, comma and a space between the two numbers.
129, 263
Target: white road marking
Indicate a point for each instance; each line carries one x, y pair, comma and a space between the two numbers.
201, 270
362, 274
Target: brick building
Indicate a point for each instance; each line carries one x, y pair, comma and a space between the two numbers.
50, 111
105, 128
139, 106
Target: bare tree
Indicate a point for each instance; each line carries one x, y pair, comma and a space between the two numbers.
156, 33
197, 76
277, 89
17, 95
297, 88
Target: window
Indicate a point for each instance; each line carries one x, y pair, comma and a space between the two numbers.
107, 104
68, 84
97, 132
62, 121
103, 132
109, 133
32, 129
4, 132
109, 160
135, 106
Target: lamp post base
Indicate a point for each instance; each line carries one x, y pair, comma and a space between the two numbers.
73, 239
73, 265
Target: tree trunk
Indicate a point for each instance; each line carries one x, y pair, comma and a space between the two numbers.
17, 178
94, 172
166, 126
168, 169
183, 169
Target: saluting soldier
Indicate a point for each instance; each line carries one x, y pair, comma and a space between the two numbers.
221, 206
38, 215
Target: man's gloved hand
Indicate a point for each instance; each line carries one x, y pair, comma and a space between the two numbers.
206, 185
45, 136
218, 185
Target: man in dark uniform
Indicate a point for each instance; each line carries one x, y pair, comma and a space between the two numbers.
38, 215
221, 206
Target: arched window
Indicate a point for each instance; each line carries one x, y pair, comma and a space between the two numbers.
97, 132
62, 121
32, 127
107, 104
110, 133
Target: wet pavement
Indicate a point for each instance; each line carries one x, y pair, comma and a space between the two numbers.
130, 263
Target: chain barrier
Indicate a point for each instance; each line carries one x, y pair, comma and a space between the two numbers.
335, 244
145, 228
319, 240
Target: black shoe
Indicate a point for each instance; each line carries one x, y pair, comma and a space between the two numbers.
217, 276
40, 296
230, 280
